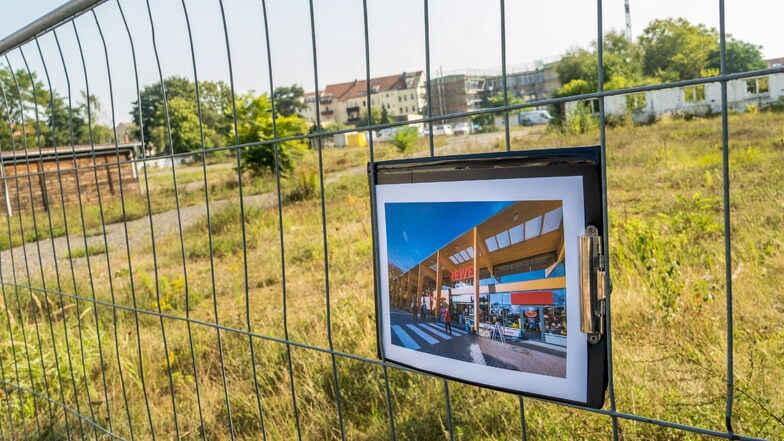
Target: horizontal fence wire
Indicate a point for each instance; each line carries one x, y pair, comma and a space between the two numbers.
155, 291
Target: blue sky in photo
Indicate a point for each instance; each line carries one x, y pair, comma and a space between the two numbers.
416, 230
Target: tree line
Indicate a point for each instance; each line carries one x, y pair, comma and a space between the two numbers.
167, 118
668, 50
32, 116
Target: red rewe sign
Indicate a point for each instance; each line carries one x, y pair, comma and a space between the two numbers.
462, 274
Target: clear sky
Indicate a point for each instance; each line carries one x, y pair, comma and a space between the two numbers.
416, 230
464, 34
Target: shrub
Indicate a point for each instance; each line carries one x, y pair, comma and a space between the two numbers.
306, 186
404, 137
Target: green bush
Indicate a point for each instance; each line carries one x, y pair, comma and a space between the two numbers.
404, 137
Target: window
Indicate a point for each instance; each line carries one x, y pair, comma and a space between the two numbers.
591, 105
516, 234
503, 239
535, 263
552, 220
756, 86
492, 245
694, 93
635, 101
533, 227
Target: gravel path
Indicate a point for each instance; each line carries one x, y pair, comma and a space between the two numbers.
51, 254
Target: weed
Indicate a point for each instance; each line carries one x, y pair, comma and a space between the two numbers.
91, 250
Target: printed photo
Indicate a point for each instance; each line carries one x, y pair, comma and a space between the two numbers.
479, 281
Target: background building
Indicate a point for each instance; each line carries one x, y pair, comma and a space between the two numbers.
529, 82
457, 93
401, 95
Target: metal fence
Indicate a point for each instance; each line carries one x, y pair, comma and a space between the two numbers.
204, 304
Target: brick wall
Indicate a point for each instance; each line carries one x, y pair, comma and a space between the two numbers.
36, 184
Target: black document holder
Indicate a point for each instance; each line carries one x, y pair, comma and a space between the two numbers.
590, 278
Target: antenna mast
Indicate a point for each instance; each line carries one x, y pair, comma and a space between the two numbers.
628, 20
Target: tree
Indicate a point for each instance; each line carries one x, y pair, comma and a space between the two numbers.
254, 124
741, 57
498, 101
572, 88
375, 118
621, 57
385, 118
288, 100
182, 121
185, 136
404, 137
32, 116
485, 121
577, 64
674, 49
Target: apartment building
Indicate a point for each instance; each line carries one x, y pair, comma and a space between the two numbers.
401, 95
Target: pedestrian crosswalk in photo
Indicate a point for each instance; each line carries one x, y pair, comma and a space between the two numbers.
416, 335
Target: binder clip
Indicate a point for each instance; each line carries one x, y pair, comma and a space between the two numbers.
593, 278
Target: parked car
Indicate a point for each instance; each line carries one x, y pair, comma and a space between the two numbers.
386, 134
533, 117
441, 129
462, 128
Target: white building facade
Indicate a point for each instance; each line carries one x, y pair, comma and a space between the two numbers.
401, 95
704, 99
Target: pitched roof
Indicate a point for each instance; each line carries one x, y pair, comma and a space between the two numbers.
358, 88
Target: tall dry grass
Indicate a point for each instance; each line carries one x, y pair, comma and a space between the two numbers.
668, 310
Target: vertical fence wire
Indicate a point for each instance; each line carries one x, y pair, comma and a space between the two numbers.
428, 78
42, 179
124, 223
83, 227
148, 206
503, 74
102, 217
241, 200
209, 242
24, 249
323, 206
167, 125
605, 214
390, 409
96, 405
725, 169
52, 240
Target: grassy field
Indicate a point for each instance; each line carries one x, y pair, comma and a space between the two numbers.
668, 306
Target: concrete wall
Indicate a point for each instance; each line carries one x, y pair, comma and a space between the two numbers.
695, 100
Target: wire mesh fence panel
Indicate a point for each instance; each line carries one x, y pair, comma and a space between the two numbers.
187, 240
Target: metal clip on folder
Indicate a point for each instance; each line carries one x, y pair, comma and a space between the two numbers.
593, 277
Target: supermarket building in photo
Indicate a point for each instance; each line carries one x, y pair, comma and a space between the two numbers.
505, 274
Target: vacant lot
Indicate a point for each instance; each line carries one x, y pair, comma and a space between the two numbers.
114, 347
